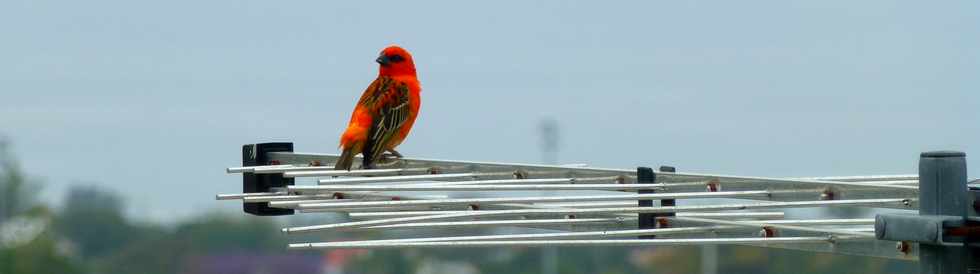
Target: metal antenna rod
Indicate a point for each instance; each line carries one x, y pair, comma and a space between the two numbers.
405, 178
870, 178
631, 242
444, 187
247, 169
487, 223
356, 172
557, 235
665, 209
443, 202
239, 196
397, 214
779, 226
619, 233
617, 220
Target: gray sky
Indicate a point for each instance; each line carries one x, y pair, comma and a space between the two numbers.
154, 99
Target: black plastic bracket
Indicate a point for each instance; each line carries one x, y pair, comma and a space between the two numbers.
974, 188
667, 202
645, 175
974, 238
257, 155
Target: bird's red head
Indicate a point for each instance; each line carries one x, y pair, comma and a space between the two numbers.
396, 61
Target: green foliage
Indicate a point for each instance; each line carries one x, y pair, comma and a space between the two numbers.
93, 219
165, 251
17, 199
219, 232
17, 193
40, 256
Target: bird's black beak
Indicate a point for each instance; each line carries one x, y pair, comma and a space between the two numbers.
383, 60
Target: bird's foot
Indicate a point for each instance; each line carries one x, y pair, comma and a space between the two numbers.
392, 153
389, 157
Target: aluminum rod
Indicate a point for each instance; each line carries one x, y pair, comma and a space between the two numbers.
556, 235
405, 178
594, 180
239, 196
864, 178
486, 223
897, 182
665, 209
330, 188
443, 202
245, 169
303, 157
265, 170
618, 242
565, 222
258, 199
293, 201
294, 204
859, 221
356, 172
776, 225
695, 176
396, 214
481, 166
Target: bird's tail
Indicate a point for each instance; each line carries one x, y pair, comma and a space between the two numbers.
346, 159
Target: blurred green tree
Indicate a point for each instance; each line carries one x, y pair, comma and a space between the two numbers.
27, 244
166, 251
17, 193
93, 219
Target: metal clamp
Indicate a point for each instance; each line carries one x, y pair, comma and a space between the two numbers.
926, 229
257, 155
943, 223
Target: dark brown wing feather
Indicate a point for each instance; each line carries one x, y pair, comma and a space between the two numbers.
390, 103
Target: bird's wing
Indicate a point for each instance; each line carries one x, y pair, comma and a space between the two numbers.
389, 102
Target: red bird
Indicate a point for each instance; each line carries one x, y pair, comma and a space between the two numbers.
385, 113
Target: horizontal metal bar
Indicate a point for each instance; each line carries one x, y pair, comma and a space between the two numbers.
259, 199
617, 242
618, 220
571, 171
477, 201
558, 181
556, 235
796, 189
396, 214
356, 172
858, 221
778, 226
698, 176
294, 204
835, 189
665, 209
251, 168
405, 178
757, 215
607, 187
472, 166
502, 182
898, 182
239, 196
488, 223
864, 178
281, 169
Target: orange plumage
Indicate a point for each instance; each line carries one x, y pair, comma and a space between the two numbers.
385, 113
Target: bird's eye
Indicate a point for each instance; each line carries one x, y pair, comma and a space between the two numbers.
396, 58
